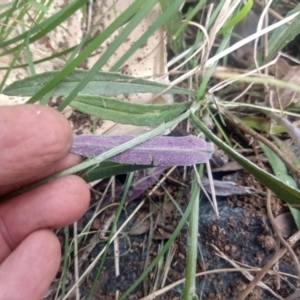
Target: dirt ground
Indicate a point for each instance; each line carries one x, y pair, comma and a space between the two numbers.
243, 233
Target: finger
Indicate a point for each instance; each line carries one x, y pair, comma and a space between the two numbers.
28, 272
66, 162
52, 205
34, 137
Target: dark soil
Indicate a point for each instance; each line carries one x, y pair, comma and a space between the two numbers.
243, 233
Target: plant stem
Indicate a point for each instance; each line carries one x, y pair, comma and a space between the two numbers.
190, 283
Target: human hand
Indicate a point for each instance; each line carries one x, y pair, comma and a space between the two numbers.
35, 142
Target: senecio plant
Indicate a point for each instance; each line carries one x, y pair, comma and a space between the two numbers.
92, 92
148, 150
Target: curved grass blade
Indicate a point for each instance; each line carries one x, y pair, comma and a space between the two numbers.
170, 11
128, 113
158, 151
283, 35
281, 172
282, 190
133, 22
238, 17
103, 83
91, 47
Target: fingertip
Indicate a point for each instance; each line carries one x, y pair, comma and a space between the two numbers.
35, 136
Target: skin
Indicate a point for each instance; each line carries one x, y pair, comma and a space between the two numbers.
35, 142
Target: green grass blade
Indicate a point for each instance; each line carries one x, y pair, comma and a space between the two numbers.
208, 73
171, 25
103, 83
238, 17
163, 250
283, 191
7, 14
108, 169
66, 258
134, 21
281, 172
47, 25
182, 26
29, 55
283, 35
38, 6
15, 58
113, 229
172, 9
121, 20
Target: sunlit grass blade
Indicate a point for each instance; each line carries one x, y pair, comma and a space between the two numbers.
46, 26
90, 48
15, 58
131, 25
238, 17
170, 11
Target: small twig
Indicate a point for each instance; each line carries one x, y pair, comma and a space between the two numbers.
76, 269
168, 263
205, 192
245, 273
272, 11
291, 241
212, 188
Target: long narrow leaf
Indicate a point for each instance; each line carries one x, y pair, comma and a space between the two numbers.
128, 113
158, 151
103, 83
283, 35
281, 172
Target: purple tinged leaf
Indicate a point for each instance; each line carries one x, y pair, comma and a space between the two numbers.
158, 151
